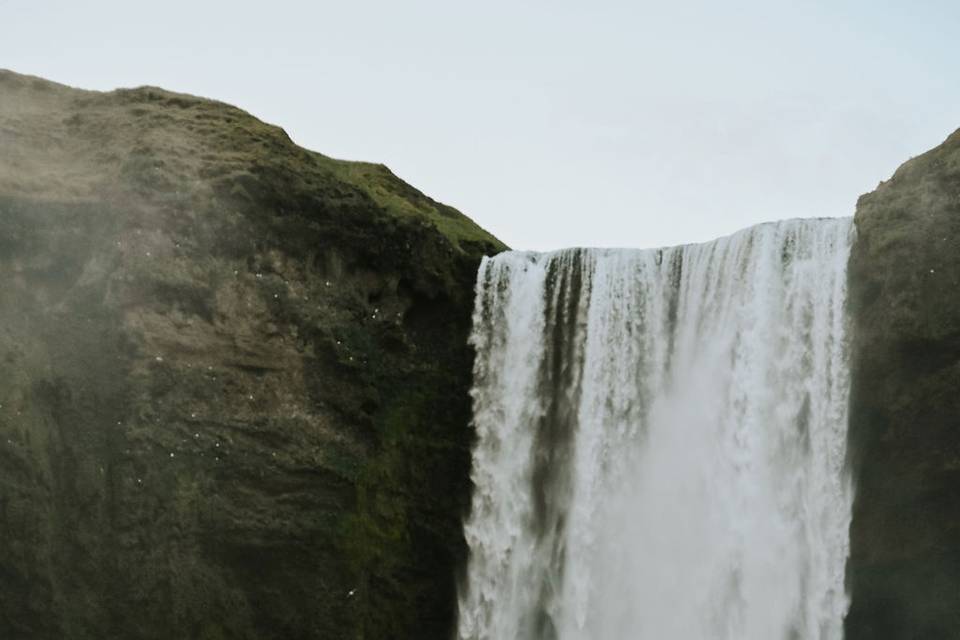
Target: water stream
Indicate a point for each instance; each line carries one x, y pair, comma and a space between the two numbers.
661, 441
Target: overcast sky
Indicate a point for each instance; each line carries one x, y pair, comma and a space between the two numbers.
551, 123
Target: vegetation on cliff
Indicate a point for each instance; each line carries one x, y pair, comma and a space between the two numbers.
235, 378
904, 276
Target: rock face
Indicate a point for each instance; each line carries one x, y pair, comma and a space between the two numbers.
234, 397
904, 570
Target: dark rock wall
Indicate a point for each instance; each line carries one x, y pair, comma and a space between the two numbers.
233, 379
904, 570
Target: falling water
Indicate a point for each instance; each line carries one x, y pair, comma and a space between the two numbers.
661, 441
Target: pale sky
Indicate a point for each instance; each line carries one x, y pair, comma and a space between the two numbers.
551, 124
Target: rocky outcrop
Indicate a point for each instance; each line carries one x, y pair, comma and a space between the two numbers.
234, 398
904, 570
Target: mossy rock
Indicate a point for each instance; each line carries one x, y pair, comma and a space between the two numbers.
904, 282
235, 378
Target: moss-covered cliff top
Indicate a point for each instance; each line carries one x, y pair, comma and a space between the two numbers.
942, 157
77, 145
907, 226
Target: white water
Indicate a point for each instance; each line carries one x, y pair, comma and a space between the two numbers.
661, 445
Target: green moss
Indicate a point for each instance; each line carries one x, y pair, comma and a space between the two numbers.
400, 199
212, 631
377, 537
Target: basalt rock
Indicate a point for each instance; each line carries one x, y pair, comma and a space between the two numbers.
233, 378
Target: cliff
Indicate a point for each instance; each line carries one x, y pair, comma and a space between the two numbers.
904, 279
235, 378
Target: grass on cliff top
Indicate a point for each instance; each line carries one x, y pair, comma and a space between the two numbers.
401, 199
71, 144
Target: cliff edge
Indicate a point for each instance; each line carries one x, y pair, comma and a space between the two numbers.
235, 378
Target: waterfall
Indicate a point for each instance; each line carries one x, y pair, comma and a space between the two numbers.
661, 437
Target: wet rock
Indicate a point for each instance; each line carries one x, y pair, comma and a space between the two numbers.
904, 276
205, 432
